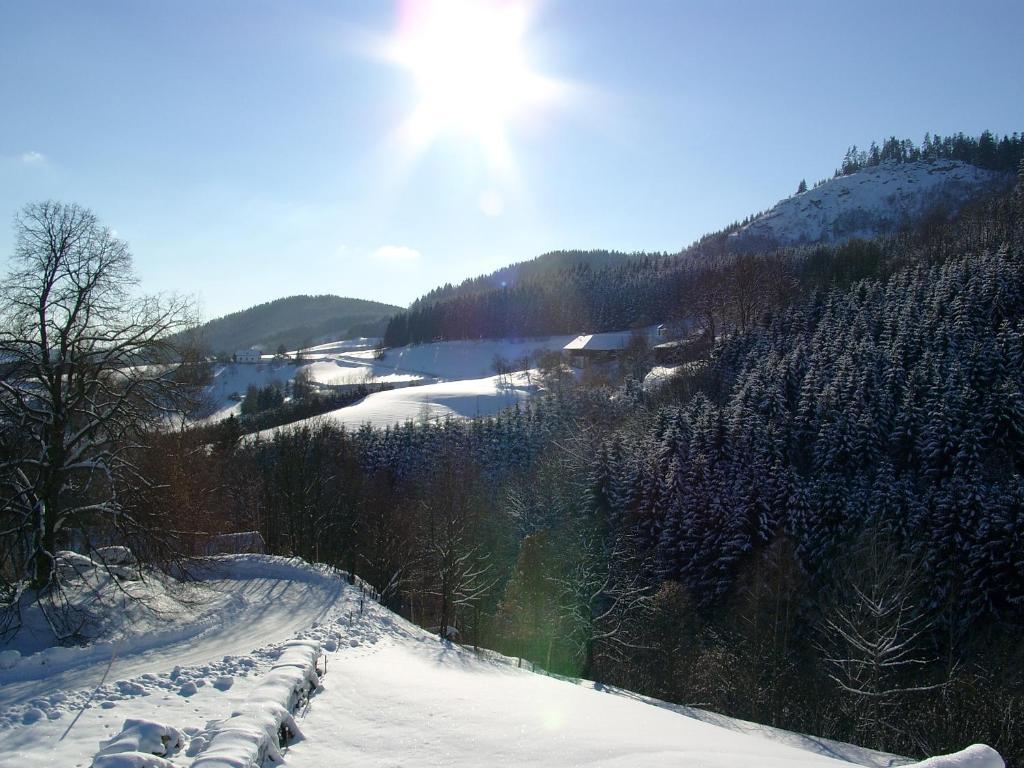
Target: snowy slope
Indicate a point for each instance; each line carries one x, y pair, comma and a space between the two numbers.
412, 701
467, 367
453, 360
873, 201
431, 402
234, 378
345, 371
392, 695
460, 371
333, 347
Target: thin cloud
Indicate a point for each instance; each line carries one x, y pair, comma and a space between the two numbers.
32, 158
397, 253
491, 203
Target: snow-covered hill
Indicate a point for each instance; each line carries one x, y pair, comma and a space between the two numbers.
456, 377
459, 375
212, 693
465, 398
456, 360
873, 201
392, 694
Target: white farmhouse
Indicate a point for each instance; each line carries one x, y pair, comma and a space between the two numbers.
599, 347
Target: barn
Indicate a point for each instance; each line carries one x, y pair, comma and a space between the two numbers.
603, 347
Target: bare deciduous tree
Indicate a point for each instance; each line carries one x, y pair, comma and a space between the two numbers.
86, 378
553, 370
873, 635
503, 367
604, 602
455, 567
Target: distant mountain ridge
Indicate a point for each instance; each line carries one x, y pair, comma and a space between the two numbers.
296, 321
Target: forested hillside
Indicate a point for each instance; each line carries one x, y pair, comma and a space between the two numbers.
819, 527
547, 265
917, 186
295, 321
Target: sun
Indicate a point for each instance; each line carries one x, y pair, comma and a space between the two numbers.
469, 62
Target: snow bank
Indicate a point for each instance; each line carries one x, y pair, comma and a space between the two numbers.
140, 744
72, 565
975, 756
251, 735
132, 760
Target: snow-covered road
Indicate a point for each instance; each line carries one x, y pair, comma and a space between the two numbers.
256, 606
197, 668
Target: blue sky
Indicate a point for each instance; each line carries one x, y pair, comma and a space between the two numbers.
251, 150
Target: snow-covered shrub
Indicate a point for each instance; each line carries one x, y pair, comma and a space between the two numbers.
119, 561
73, 565
114, 555
140, 744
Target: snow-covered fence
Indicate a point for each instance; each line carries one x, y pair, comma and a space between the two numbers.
257, 729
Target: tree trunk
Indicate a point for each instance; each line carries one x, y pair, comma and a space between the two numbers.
588, 660
44, 545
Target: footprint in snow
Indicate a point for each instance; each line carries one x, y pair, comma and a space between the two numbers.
32, 715
223, 683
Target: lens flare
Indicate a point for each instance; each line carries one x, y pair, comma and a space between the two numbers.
471, 70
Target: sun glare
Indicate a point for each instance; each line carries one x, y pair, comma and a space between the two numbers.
469, 63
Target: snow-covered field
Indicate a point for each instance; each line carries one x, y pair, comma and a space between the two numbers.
234, 378
334, 347
392, 695
430, 402
874, 200
343, 371
412, 701
455, 360
458, 378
